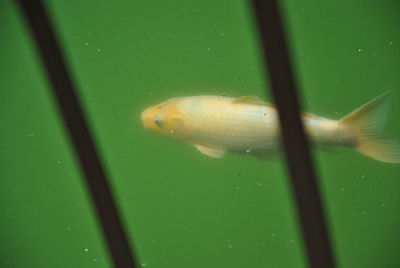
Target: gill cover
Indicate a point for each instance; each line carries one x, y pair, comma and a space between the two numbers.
166, 119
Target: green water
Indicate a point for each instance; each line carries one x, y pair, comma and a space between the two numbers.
181, 208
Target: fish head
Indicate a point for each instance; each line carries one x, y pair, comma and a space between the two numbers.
165, 118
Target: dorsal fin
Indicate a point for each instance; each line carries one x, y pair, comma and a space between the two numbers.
251, 100
254, 100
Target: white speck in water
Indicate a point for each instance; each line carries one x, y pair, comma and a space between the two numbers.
258, 184
208, 49
86, 249
237, 187
98, 50
172, 131
69, 228
144, 264
390, 43
87, 43
362, 176
30, 135
342, 189
382, 204
95, 260
58, 162
229, 246
359, 50
273, 235
248, 150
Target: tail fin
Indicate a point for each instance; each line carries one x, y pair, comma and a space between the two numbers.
367, 122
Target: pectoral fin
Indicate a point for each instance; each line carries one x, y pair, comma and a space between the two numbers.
216, 153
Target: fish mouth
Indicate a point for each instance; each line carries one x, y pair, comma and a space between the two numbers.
145, 116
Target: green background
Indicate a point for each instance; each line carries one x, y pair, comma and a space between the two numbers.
182, 208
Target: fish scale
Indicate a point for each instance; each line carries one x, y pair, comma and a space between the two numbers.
216, 125
234, 127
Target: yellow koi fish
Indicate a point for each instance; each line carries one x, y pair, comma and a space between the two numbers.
216, 125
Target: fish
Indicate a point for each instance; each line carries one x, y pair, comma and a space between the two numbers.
217, 125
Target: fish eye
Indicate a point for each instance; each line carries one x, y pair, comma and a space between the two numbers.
158, 121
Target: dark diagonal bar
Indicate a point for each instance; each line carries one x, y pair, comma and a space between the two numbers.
65, 94
303, 178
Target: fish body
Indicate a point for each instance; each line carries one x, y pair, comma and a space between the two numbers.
216, 125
